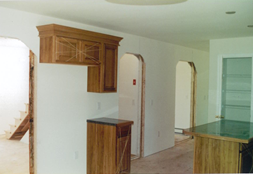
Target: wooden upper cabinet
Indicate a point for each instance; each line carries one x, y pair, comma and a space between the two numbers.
104, 77
66, 45
91, 53
67, 50
110, 68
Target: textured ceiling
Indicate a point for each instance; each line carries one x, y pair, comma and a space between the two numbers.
191, 23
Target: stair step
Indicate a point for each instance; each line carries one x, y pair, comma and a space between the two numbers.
23, 114
12, 128
26, 107
21, 126
17, 121
7, 134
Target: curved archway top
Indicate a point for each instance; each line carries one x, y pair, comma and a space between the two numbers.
190, 63
136, 55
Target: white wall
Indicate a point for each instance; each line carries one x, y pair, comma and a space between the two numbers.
25, 138
129, 102
14, 78
223, 47
63, 105
183, 96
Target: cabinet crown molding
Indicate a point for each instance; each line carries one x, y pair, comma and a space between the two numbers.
64, 31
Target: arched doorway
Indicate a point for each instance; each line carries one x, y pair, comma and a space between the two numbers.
18, 69
132, 98
185, 99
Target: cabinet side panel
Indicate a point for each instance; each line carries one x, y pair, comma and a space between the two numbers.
214, 151
91, 148
200, 149
46, 49
230, 157
100, 148
109, 149
93, 84
215, 156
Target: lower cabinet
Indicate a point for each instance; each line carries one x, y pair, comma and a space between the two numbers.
222, 156
108, 146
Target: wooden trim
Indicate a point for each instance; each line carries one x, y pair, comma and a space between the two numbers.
143, 107
140, 58
193, 94
31, 111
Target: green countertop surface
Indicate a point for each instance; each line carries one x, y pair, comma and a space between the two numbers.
224, 129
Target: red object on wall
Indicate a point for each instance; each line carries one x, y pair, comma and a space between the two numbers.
134, 81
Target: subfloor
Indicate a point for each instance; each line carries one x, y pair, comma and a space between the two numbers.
14, 158
180, 137
178, 159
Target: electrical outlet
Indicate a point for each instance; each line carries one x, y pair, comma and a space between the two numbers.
76, 155
99, 106
133, 102
151, 103
158, 133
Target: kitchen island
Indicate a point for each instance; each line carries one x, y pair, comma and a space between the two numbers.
223, 146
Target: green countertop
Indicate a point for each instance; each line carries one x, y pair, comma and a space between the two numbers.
229, 130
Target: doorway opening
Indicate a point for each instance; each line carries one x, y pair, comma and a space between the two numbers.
185, 100
17, 91
235, 87
132, 99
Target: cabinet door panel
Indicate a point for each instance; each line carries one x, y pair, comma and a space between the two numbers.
110, 68
67, 50
91, 52
123, 154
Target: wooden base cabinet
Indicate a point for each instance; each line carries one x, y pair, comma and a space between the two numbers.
224, 146
108, 146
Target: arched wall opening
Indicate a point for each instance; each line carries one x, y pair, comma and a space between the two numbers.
18, 99
132, 98
185, 100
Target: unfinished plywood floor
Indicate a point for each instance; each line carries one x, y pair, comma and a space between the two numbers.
178, 159
14, 158
180, 137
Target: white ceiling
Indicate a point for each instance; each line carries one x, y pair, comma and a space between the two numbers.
192, 23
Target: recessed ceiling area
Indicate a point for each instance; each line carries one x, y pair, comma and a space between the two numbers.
191, 23
146, 2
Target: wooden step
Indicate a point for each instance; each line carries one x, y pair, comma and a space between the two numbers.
7, 134
17, 121
21, 126
26, 107
12, 128
23, 114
